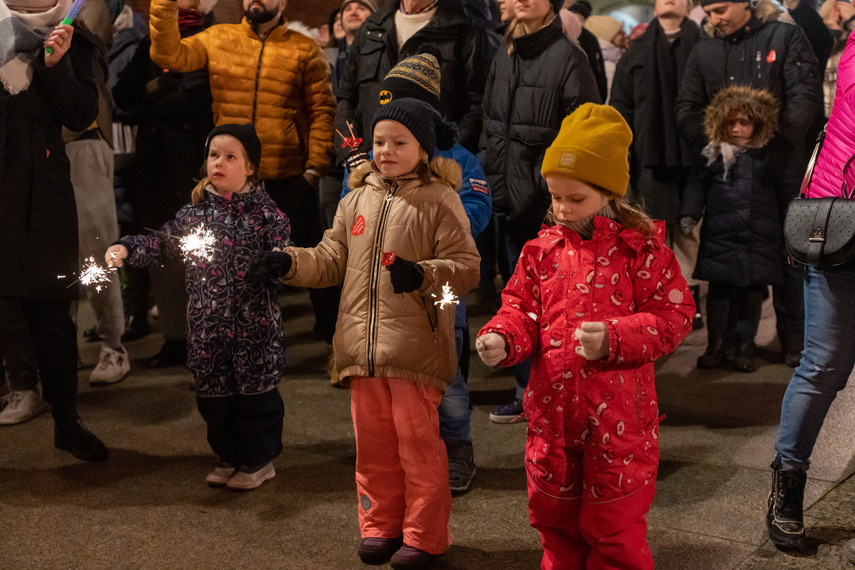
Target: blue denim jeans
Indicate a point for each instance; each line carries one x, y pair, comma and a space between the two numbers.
827, 361
454, 411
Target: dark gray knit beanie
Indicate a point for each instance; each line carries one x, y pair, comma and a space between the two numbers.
422, 120
245, 134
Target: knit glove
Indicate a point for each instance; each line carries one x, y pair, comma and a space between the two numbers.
407, 276
687, 224
272, 264
492, 348
355, 158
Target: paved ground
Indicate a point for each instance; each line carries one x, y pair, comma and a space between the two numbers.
149, 508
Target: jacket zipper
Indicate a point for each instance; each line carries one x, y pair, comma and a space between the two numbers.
373, 299
257, 76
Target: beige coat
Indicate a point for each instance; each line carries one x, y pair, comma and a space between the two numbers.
380, 333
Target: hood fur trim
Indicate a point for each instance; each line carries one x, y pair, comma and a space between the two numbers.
759, 104
445, 170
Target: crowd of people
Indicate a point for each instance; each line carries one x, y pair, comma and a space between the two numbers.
607, 177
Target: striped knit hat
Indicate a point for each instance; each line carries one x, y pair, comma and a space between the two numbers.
416, 77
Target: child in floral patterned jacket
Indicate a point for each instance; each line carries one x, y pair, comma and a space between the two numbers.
234, 343
595, 300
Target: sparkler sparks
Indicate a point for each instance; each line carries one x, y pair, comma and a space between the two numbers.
198, 245
448, 297
94, 274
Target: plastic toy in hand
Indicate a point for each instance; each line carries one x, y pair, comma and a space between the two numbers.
273, 264
407, 276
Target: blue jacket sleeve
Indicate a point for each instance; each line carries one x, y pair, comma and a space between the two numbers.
475, 192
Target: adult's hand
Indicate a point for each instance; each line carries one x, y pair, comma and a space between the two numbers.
59, 41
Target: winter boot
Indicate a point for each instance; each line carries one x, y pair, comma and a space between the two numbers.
786, 501
698, 320
744, 359
714, 356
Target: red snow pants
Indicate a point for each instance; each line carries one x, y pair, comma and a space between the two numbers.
596, 536
401, 462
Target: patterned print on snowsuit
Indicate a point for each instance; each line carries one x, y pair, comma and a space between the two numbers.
593, 425
234, 343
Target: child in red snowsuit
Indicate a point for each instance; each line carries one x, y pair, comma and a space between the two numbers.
595, 300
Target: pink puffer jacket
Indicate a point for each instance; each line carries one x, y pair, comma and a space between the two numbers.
839, 145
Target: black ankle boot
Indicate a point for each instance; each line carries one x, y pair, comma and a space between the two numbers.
785, 520
714, 356
172, 353
698, 320
744, 360
71, 435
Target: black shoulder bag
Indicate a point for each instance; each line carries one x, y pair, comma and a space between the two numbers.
821, 231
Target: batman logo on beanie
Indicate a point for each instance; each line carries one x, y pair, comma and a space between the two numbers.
385, 97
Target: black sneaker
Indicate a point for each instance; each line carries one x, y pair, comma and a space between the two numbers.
508, 413
461, 465
135, 328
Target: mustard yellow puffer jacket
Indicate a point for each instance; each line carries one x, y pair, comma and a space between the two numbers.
378, 332
281, 85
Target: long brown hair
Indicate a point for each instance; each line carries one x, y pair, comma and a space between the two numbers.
199, 190
626, 214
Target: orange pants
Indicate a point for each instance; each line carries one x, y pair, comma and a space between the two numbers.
596, 536
401, 462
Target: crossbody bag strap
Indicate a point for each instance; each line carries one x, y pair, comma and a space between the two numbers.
817, 234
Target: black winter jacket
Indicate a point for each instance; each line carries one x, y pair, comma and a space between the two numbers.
467, 49
741, 237
765, 54
528, 94
38, 216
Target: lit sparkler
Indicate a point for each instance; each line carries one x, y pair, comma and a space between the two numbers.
448, 297
94, 274
198, 245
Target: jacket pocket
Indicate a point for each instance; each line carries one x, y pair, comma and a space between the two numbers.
369, 62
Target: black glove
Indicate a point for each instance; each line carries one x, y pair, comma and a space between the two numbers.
407, 276
355, 158
687, 224
272, 264
776, 154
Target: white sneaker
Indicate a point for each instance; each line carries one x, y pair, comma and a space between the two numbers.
113, 365
20, 406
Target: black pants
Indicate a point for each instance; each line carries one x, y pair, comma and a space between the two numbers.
16, 347
244, 429
54, 341
299, 201
733, 311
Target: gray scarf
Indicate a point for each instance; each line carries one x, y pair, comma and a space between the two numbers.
22, 35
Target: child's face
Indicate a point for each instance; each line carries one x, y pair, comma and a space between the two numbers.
227, 166
396, 150
572, 199
740, 128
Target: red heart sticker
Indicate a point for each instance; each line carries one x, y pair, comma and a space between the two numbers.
771, 57
388, 258
358, 226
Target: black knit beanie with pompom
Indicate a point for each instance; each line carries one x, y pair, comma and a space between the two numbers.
422, 120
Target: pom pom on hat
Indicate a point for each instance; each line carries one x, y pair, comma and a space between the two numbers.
422, 120
245, 134
592, 146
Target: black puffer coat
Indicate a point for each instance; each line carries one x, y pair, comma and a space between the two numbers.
38, 216
467, 49
742, 231
528, 94
764, 54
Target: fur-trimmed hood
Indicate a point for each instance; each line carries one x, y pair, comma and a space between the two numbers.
758, 104
444, 170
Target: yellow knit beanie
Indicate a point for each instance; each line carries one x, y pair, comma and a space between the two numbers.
592, 146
